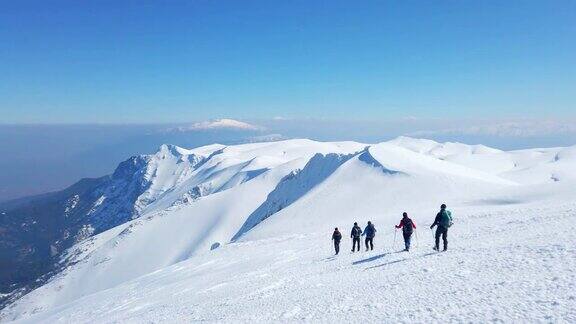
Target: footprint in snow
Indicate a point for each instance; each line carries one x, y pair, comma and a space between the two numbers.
215, 287
293, 312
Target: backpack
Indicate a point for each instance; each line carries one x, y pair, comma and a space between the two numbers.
356, 231
408, 227
370, 231
445, 219
337, 236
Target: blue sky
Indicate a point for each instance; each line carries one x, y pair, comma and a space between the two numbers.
177, 61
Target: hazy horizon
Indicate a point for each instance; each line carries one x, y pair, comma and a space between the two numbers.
43, 158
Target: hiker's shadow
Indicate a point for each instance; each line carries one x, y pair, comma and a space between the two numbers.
400, 260
385, 264
370, 259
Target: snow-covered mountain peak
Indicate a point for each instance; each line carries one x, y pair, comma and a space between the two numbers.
173, 149
219, 124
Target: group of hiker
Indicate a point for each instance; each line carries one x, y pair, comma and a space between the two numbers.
442, 222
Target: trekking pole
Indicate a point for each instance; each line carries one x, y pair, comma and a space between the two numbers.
394, 244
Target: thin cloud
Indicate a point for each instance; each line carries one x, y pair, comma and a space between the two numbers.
523, 128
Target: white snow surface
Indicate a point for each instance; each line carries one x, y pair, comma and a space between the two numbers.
242, 234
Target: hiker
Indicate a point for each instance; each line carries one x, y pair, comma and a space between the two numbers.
336, 237
443, 220
408, 227
355, 235
370, 232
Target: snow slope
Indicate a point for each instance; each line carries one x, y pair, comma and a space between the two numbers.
246, 237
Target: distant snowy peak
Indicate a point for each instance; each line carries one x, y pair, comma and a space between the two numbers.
224, 123
220, 124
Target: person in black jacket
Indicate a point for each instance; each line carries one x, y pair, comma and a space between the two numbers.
443, 220
355, 235
336, 237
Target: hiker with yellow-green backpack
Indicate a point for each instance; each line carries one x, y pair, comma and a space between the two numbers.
443, 220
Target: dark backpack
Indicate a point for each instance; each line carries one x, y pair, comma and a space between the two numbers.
356, 231
408, 227
445, 218
337, 236
370, 231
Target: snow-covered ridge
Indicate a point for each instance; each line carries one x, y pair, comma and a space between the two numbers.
185, 206
441, 150
293, 186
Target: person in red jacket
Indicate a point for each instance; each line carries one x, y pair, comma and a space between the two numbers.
408, 227
336, 237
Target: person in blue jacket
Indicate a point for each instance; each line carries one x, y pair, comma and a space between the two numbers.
370, 232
